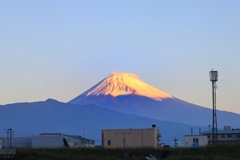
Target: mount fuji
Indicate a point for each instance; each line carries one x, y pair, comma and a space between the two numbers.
126, 93
120, 100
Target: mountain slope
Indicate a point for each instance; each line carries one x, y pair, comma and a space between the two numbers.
27, 119
144, 100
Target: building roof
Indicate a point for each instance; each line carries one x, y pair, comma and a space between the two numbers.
124, 129
223, 132
80, 138
195, 135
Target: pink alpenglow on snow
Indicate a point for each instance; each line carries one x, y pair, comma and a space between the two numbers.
119, 83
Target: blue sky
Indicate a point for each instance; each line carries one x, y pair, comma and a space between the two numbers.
58, 49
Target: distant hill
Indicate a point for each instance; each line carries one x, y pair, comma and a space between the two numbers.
27, 119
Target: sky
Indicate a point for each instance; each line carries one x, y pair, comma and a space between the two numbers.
59, 49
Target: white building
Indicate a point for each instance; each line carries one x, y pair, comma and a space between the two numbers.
195, 141
228, 135
225, 136
47, 140
131, 138
17, 142
58, 140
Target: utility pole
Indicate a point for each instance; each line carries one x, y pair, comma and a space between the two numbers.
175, 142
209, 128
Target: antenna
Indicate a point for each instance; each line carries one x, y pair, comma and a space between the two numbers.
214, 78
9, 137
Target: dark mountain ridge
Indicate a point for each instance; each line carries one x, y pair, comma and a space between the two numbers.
27, 119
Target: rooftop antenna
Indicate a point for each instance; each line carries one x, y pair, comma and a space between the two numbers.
214, 78
9, 137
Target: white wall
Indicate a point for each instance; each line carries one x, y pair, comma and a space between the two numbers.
129, 138
47, 141
202, 140
19, 142
56, 141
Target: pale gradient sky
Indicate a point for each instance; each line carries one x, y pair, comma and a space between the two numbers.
58, 48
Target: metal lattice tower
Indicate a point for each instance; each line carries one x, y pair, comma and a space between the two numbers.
214, 78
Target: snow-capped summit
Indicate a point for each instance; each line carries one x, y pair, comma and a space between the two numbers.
118, 84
